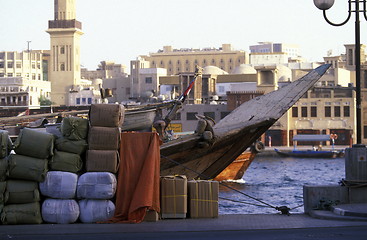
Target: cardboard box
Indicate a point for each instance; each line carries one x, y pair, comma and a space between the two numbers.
102, 161
203, 198
173, 196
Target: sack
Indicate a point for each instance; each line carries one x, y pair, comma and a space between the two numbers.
27, 168
59, 185
20, 191
106, 115
60, 211
102, 161
92, 211
66, 145
104, 138
29, 213
34, 143
2, 191
3, 168
6, 145
66, 162
74, 128
96, 185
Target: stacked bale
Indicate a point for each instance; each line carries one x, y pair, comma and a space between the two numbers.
96, 189
26, 168
59, 187
102, 161
6, 146
70, 148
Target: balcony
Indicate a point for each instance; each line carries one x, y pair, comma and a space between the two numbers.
64, 24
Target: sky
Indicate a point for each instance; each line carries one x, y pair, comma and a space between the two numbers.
121, 30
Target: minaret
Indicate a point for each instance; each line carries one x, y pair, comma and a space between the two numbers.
64, 66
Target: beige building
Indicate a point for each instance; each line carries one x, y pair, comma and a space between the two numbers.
64, 68
185, 59
23, 78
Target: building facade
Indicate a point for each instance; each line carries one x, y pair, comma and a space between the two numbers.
185, 59
23, 78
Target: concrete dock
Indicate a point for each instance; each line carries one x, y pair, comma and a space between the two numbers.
259, 226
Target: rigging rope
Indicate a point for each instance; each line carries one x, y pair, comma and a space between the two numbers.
282, 209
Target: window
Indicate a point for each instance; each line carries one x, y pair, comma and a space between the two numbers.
10, 65
10, 74
337, 111
177, 116
1, 65
304, 111
364, 131
313, 111
221, 89
328, 111
77, 101
294, 112
89, 100
62, 50
62, 67
210, 114
19, 65
191, 116
346, 111
84, 100
148, 80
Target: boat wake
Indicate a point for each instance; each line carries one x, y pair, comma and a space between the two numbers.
240, 181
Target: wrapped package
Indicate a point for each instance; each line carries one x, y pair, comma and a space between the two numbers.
66, 162
96, 185
27, 168
29, 213
6, 145
104, 138
203, 198
3, 168
59, 184
34, 143
151, 216
173, 196
74, 128
20, 191
102, 161
60, 211
106, 115
71, 146
2, 191
92, 210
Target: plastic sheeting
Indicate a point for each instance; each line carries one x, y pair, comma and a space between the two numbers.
92, 211
60, 211
59, 184
96, 185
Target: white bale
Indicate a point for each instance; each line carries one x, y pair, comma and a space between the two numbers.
92, 210
59, 184
96, 185
60, 211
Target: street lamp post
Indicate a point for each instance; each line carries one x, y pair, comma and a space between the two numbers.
325, 5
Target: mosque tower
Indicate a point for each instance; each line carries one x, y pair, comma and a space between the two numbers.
64, 66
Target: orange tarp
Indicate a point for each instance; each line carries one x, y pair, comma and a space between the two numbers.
138, 177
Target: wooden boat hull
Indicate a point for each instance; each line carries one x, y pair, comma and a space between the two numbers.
234, 133
237, 168
310, 154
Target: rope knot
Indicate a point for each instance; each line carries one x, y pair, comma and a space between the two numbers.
284, 210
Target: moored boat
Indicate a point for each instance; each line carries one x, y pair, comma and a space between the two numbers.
314, 152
